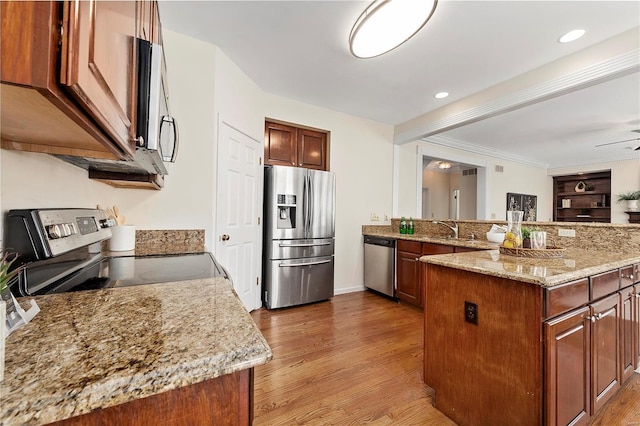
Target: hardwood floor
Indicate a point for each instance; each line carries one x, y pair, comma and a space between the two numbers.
357, 359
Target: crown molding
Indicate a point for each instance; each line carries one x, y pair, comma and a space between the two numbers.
477, 149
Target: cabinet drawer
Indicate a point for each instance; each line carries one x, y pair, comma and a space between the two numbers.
605, 284
410, 246
566, 297
430, 248
627, 276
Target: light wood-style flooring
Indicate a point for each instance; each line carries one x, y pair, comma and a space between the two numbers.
357, 359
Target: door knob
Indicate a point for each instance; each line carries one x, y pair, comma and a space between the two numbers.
225, 237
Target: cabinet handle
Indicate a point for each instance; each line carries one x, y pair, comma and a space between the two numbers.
598, 316
590, 318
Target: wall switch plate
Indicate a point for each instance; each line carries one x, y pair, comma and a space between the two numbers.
471, 312
386, 217
374, 217
567, 233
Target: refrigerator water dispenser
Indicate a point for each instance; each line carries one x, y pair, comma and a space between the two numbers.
286, 211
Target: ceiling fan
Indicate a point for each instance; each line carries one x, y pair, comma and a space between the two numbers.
626, 140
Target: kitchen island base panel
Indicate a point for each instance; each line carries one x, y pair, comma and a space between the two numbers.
504, 349
225, 400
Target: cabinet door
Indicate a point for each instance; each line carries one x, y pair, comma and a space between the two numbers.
145, 19
408, 278
605, 351
98, 65
312, 149
280, 146
567, 369
636, 343
627, 332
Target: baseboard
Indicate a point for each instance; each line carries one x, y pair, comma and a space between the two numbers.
345, 290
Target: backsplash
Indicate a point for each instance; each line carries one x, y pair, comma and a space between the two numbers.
172, 241
604, 236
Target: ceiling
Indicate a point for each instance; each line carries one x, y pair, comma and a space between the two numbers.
299, 50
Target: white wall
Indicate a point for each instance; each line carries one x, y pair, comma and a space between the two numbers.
361, 156
439, 193
38, 180
625, 176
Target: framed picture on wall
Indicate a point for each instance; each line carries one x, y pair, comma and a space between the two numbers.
523, 202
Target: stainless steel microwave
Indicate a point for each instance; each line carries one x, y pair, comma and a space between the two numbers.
157, 130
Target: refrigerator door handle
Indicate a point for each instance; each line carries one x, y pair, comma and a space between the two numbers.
283, 265
308, 206
311, 201
304, 245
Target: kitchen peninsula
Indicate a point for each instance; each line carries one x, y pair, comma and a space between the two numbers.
513, 340
135, 355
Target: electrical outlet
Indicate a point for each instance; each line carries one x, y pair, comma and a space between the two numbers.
471, 312
566, 233
386, 217
374, 217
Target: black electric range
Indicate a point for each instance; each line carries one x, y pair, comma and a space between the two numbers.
59, 249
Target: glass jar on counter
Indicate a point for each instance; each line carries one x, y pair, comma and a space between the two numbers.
513, 237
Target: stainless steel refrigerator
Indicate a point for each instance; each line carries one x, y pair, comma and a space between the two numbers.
299, 216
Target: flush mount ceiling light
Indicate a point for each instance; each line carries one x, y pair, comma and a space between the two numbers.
386, 24
444, 165
572, 35
441, 95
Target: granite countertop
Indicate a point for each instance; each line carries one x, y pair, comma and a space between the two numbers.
576, 264
93, 349
461, 242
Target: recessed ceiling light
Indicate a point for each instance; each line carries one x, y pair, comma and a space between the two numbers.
441, 95
386, 24
572, 36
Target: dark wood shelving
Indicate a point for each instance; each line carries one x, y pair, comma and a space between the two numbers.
591, 205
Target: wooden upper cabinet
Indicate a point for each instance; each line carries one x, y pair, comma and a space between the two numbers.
288, 145
280, 148
312, 147
36, 112
98, 64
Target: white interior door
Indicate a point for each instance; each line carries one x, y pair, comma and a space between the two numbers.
238, 212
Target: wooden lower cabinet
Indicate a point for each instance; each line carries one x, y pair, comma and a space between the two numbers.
605, 350
410, 276
628, 326
408, 272
224, 400
636, 343
568, 369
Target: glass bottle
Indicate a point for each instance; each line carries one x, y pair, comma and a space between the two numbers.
513, 237
403, 225
410, 227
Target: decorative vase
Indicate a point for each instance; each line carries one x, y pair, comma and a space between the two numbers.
513, 237
632, 205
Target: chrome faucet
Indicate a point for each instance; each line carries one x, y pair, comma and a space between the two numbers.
453, 228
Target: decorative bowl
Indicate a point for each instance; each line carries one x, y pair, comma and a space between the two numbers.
496, 237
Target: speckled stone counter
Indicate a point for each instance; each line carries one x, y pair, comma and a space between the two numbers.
386, 231
576, 264
93, 349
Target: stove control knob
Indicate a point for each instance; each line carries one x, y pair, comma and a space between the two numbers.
66, 230
72, 228
54, 232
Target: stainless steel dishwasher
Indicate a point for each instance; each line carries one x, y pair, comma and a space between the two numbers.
380, 264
